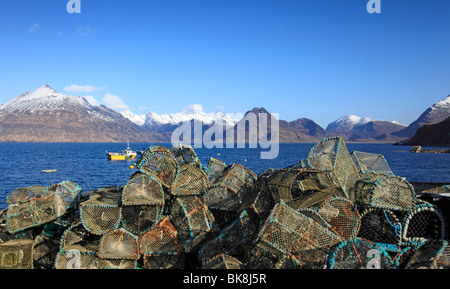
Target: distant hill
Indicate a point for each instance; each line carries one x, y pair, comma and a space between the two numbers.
363, 129
437, 134
45, 115
434, 114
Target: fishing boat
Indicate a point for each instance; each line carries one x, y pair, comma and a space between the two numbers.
127, 154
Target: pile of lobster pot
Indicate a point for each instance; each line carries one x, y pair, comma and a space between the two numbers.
333, 210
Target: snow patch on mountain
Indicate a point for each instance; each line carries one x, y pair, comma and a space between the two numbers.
346, 123
443, 104
177, 118
138, 119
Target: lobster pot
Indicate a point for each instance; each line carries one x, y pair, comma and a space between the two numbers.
76, 259
384, 191
77, 237
382, 226
161, 247
35, 212
258, 203
215, 169
142, 189
193, 220
100, 215
140, 219
16, 254
159, 161
369, 162
293, 185
332, 155
308, 259
438, 190
223, 261
116, 264
191, 180
185, 155
23, 195
119, 244
425, 222
358, 253
234, 240
288, 231
342, 215
433, 254
228, 190
44, 253
69, 192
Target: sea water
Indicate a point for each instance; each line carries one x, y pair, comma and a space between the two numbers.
21, 164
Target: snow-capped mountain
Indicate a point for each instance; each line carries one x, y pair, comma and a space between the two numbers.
438, 112
138, 119
152, 118
45, 115
345, 123
364, 129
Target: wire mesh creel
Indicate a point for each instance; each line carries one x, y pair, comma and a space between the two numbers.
159, 161
193, 221
289, 232
370, 162
358, 253
331, 155
300, 188
161, 247
34, 212
229, 188
385, 191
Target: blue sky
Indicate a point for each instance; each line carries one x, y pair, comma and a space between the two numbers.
319, 59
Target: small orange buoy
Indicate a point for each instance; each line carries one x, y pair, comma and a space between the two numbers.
131, 167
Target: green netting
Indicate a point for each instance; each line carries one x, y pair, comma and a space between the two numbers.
185, 155
289, 232
101, 213
332, 155
45, 251
140, 219
17, 254
382, 226
223, 261
214, 169
358, 253
119, 244
385, 191
143, 189
34, 212
342, 215
161, 247
370, 162
69, 192
23, 195
193, 220
433, 254
75, 259
229, 188
235, 240
423, 223
76, 237
159, 161
190, 180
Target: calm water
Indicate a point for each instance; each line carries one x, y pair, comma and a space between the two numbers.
86, 164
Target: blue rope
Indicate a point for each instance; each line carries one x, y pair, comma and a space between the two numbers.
396, 227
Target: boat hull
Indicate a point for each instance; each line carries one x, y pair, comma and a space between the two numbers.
112, 157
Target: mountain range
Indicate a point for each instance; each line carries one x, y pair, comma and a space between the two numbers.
45, 115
